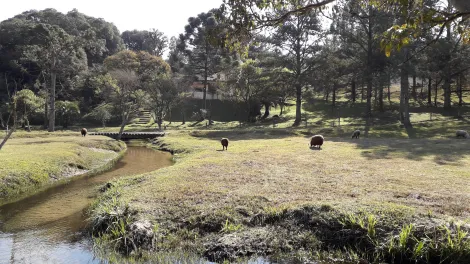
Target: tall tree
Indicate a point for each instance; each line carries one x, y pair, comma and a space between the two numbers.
176, 57
297, 36
163, 94
21, 105
129, 74
201, 44
360, 27
56, 53
248, 84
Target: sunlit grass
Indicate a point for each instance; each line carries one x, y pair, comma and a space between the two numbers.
28, 163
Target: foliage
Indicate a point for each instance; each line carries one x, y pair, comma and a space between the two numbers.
153, 41
164, 93
248, 84
67, 112
102, 113
129, 75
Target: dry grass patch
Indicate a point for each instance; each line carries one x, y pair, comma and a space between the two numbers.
271, 193
423, 174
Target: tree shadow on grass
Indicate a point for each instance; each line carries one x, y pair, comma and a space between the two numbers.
443, 151
196, 123
234, 135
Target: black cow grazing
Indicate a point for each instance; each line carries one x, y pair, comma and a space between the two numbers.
462, 133
84, 132
356, 134
224, 142
317, 141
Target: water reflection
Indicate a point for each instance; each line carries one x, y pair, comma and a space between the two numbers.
45, 228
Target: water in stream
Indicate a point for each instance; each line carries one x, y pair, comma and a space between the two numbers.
45, 228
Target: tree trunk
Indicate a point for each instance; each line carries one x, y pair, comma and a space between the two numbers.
298, 104
353, 90
447, 75
52, 103
28, 127
184, 116
2, 122
435, 94
369, 66
206, 65
429, 92
381, 94
459, 85
267, 105
123, 125
413, 92
404, 93
46, 108
388, 92
333, 98
298, 83
369, 96
362, 92
421, 93
4, 141
282, 109
376, 94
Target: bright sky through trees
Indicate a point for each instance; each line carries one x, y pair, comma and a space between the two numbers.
168, 16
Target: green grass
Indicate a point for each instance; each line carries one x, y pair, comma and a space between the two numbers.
322, 118
30, 161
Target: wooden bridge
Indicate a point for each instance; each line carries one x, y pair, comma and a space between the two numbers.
129, 135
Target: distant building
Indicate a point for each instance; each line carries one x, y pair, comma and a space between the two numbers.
213, 89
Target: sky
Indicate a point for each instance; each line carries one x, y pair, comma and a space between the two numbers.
168, 16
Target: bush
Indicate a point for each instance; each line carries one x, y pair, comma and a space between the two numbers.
67, 113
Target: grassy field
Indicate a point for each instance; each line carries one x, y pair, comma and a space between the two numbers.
398, 196
270, 193
30, 161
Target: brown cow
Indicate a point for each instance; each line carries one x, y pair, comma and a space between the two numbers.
224, 142
317, 141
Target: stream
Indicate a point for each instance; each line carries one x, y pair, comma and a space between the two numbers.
46, 227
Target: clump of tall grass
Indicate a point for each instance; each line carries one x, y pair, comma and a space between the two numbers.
441, 244
362, 221
110, 221
231, 227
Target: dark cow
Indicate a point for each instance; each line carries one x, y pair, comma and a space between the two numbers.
317, 141
224, 142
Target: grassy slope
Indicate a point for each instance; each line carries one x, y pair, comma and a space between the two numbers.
208, 191
30, 161
396, 175
423, 174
